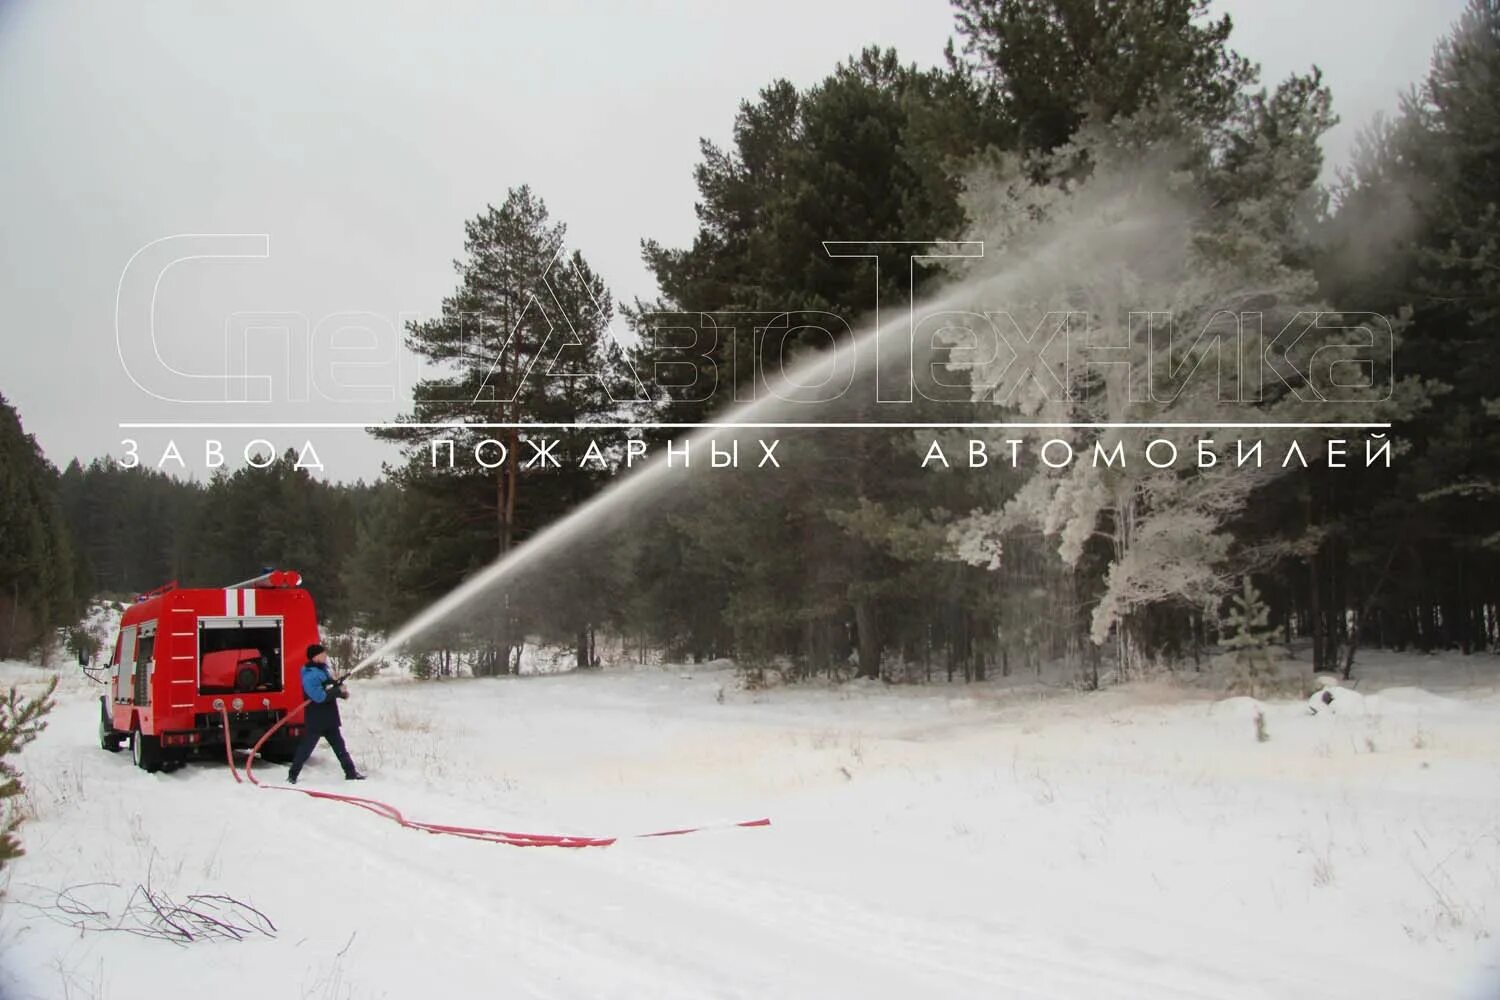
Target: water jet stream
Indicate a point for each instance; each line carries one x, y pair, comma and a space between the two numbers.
858, 351
1100, 246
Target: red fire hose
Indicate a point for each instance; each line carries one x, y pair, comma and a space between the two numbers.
228, 747
393, 814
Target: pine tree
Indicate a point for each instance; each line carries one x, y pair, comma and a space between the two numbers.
1248, 645
1413, 231
869, 150
40, 589
1053, 63
21, 721
371, 572
524, 338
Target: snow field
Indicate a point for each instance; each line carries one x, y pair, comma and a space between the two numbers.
1007, 839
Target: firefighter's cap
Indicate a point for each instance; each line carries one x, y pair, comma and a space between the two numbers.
314, 649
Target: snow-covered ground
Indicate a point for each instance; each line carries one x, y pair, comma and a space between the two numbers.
996, 840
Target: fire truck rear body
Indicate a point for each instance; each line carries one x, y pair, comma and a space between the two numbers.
184, 656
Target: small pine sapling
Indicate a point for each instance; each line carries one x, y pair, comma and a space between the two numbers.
21, 721
1248, 646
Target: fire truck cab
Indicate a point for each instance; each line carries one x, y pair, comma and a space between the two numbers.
184, 656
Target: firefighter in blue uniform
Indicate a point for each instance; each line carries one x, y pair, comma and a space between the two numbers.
321, 716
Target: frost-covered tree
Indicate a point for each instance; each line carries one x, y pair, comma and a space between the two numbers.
1144, 248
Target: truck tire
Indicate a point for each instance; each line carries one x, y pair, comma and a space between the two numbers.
109, 737
145, 751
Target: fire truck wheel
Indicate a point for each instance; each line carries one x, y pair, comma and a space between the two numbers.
108, 738
145, 751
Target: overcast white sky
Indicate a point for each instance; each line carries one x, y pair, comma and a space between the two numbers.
359, 136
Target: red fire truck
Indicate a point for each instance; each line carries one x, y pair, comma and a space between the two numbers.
185, 655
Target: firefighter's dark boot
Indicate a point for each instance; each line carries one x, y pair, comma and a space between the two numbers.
291, 777
354, 776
